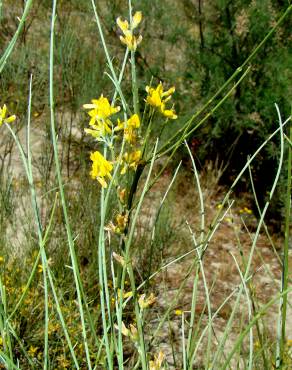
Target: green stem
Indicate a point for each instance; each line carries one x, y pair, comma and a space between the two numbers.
75, 267
285, 268
134, 84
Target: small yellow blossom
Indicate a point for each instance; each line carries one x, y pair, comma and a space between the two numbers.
100, 111
40, 268
145, 303
131, 161
157, 98
178, 312
4, 118
158, 360
1, 259
101, 168
129, 128
98, 130
137, 18
32, 351
128, 38
245, 210
125, 294
132, 333
124, 25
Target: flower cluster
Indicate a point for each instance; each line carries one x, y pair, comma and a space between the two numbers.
101, 168
158, 98
4, 118
107, 126
128, 38
100, 112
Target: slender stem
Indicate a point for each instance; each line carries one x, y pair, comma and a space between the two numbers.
75, 267
285, 265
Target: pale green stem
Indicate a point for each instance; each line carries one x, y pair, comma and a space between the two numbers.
73, 256
12, 43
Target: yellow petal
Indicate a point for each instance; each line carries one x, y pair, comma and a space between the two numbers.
10, 119
102, 182
136, 19
124, 25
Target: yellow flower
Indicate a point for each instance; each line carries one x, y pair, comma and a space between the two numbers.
125, 294
124, 25
157, 98
100, 111
131, 41
128, 38
1, 259
101, 168
145, 303
137, 18
98, 130
40, 269
32, 351
3, 116
129, 127
131, 161
158, 360
168, 113
178, 312
245, 210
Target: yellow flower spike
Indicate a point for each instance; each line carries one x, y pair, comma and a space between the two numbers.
157, 98
4, 118
101, 168
128, 38
124, 25
137, 18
